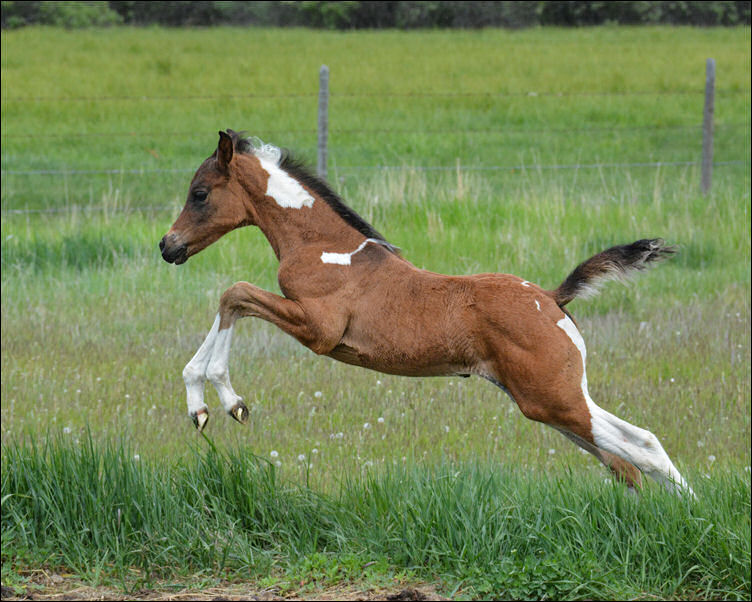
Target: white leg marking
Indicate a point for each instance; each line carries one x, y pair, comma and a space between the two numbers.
346, 258
633, 444
218, 369
194, 373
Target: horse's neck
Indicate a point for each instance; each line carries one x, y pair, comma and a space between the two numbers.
290, 230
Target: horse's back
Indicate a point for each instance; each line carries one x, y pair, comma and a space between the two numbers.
420, 323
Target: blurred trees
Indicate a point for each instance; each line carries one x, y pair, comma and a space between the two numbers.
376, 15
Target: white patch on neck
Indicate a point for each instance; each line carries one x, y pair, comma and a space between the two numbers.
346, 258
283, 188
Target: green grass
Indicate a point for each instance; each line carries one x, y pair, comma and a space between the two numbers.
96, 328
602, 95
486, 533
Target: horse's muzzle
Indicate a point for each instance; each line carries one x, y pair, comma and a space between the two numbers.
171, 252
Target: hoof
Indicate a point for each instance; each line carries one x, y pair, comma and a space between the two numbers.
239, 412
200, 419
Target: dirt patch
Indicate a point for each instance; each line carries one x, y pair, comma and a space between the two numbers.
57, 587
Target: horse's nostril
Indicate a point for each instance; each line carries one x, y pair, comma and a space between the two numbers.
161, 245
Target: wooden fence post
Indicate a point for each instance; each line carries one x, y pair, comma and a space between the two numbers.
323, 128
707, 126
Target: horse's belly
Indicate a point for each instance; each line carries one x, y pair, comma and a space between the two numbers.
400, 363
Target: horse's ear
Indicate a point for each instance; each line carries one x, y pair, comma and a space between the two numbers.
224, 151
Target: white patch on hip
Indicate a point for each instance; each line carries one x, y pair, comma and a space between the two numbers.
283, 188
346, 258
633, 444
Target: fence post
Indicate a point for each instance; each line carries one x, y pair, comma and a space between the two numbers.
323, 128
707, 126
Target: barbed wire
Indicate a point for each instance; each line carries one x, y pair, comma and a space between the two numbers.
429, 131
386, 95
359, 168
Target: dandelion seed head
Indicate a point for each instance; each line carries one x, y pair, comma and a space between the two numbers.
380, 420
274, 453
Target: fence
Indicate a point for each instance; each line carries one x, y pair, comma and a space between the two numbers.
323, 130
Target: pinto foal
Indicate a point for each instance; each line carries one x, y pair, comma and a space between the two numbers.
348, 294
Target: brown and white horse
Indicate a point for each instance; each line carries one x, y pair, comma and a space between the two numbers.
350, 295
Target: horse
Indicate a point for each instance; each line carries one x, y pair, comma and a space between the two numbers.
350, 295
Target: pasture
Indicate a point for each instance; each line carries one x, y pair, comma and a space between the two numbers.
461, 148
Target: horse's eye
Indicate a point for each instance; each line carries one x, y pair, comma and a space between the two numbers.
200, 195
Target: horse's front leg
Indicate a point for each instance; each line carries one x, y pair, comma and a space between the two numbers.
212, 359
194, 375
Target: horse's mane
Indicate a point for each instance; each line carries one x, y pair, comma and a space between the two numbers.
302, 173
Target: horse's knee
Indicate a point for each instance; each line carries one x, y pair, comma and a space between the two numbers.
192, 374
216, 372
230, 301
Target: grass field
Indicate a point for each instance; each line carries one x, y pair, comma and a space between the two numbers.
458, 147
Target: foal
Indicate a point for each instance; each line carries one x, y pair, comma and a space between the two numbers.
348, 294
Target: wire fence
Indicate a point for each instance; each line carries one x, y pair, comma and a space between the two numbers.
402, 131
380, 95
620, 130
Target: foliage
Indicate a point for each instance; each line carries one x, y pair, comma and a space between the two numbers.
71, 15
94, 508
386, 14
578, 13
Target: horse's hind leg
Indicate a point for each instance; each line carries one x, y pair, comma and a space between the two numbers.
598, 427
623, 471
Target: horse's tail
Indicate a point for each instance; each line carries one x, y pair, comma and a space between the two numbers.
616, 263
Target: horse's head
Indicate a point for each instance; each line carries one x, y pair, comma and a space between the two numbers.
215, 205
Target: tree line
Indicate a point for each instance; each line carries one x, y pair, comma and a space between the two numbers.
376, 15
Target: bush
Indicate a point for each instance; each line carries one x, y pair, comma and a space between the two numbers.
376, 15
72, 15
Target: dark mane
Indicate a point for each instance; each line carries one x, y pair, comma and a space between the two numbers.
298, 170
302, 174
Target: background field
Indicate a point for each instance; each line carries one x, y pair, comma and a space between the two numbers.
461, 148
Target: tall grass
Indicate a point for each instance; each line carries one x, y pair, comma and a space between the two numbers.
98, 509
